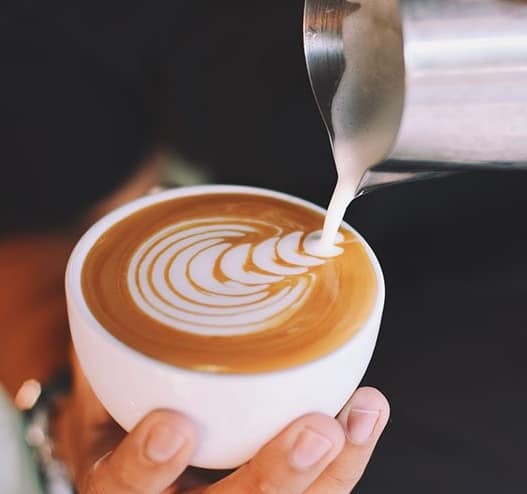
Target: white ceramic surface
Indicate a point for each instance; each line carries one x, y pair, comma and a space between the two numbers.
235, 414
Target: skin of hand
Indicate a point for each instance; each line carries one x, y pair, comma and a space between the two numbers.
314, 455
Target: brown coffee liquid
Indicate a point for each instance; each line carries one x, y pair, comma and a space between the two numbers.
225, 283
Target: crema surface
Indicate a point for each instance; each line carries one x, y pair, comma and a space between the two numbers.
228, 283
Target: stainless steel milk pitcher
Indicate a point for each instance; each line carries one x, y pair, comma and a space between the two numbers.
418, 87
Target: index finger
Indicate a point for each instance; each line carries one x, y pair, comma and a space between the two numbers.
148, 460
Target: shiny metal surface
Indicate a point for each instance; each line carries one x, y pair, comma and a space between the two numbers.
426, 86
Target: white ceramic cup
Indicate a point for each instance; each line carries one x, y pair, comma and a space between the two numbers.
235, 414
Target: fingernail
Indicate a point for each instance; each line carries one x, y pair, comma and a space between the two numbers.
309, 448
163, 443
361, 424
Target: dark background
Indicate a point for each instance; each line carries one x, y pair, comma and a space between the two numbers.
86, 91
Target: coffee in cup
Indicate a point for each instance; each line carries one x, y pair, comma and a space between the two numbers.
228, 282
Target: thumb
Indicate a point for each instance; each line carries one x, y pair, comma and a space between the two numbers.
148, 460
363, 418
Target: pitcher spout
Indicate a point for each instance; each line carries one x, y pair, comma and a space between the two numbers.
377, 178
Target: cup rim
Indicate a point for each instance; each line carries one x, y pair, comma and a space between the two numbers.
84, 245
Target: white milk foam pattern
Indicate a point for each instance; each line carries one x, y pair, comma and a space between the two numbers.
194, 276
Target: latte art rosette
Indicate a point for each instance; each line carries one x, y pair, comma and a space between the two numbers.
224, 276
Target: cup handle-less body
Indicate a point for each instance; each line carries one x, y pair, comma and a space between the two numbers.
235, 414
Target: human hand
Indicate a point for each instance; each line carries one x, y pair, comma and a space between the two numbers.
314, 455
